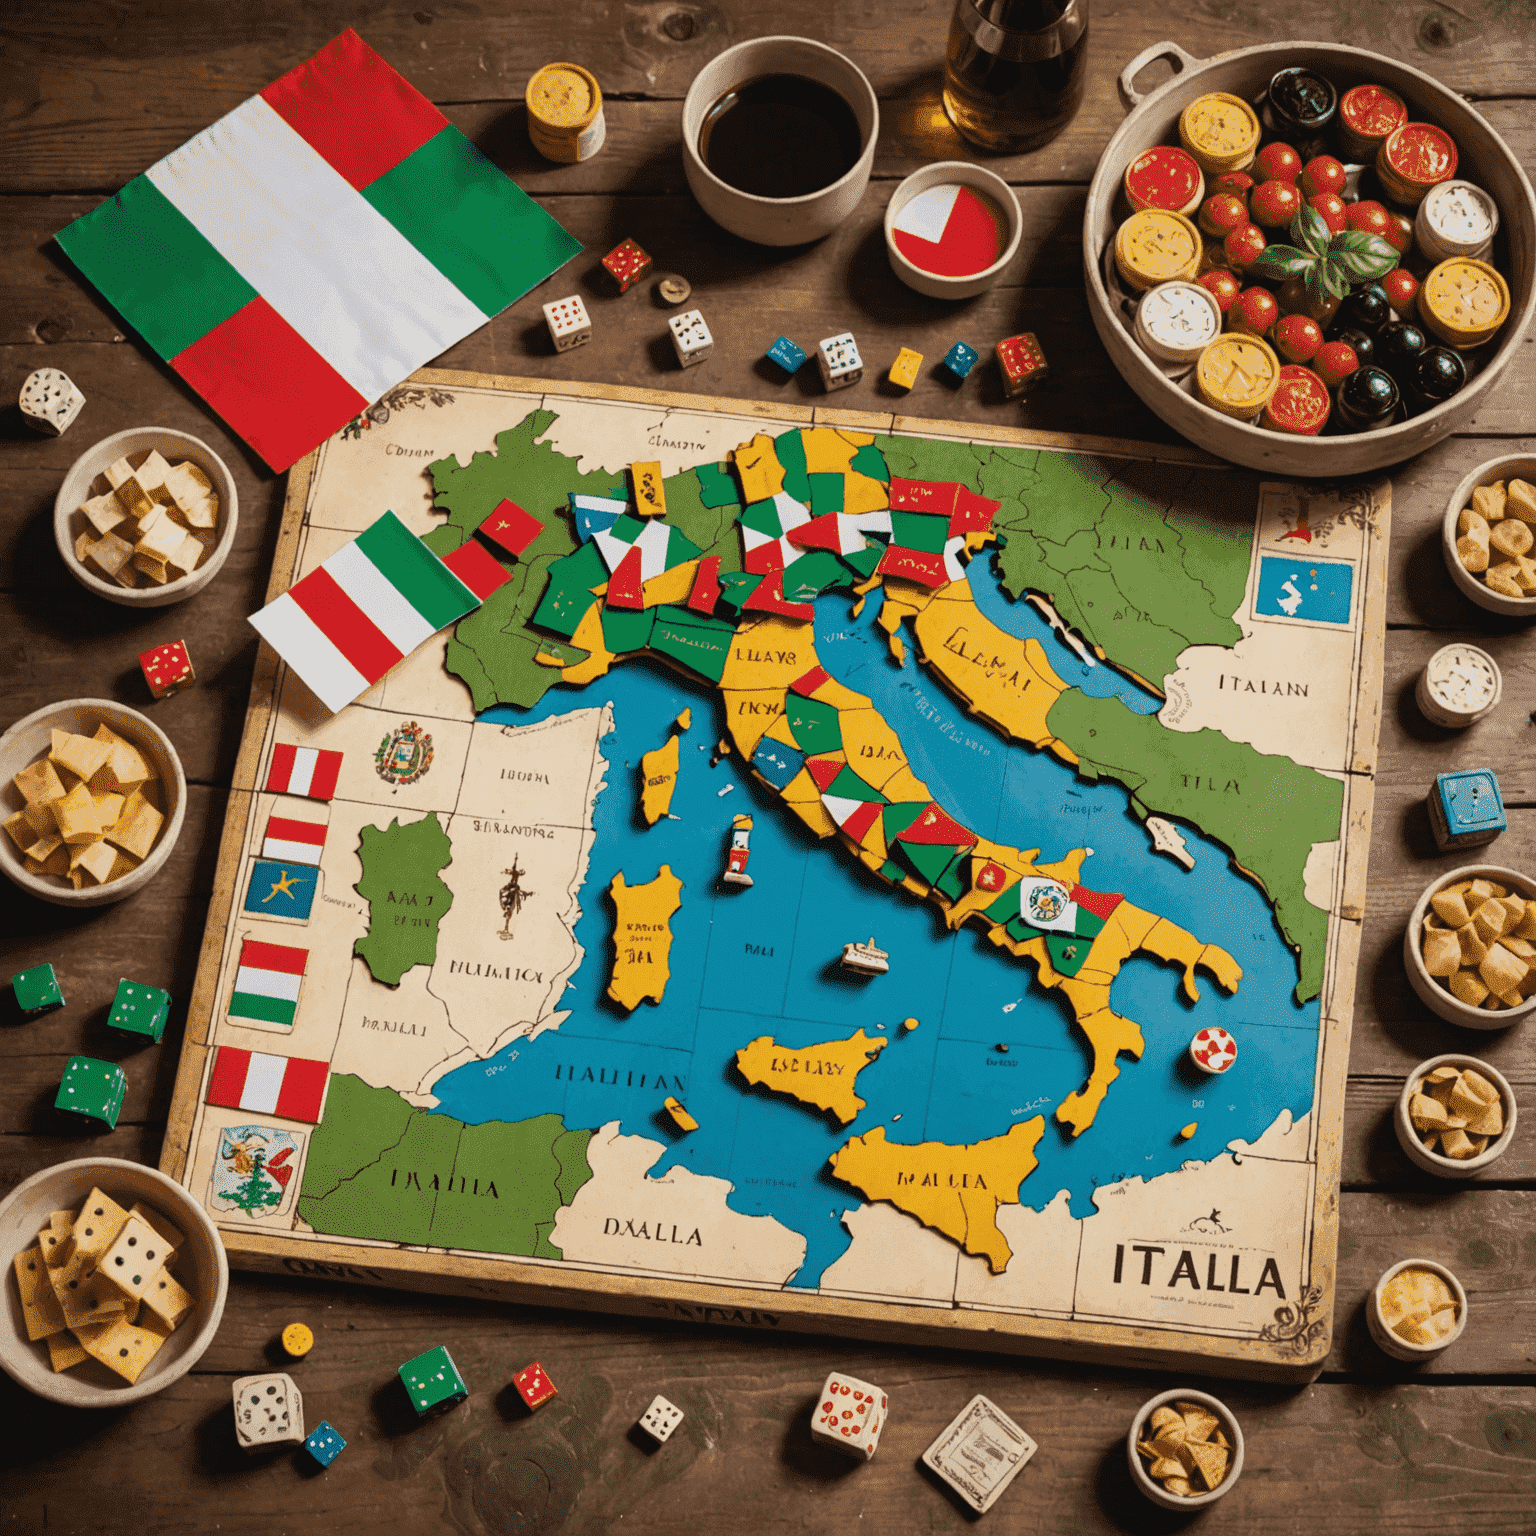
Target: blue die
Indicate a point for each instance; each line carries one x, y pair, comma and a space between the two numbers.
960, 359
786, 354
1466, 809
324, 1444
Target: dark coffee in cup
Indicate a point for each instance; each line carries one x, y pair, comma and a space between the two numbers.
780, 136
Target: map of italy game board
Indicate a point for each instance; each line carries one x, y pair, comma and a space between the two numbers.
858, 874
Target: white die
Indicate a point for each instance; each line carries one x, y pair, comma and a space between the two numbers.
690, 337
568, 323
849, 1416
50, 401
660, 1419
839, 361
269, 1410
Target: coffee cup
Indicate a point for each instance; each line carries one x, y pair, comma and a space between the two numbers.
779, 220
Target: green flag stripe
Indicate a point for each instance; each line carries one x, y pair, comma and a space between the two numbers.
274, 1010
156, 268
415, 572
480, 230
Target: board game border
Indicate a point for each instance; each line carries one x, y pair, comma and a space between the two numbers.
1295, 1354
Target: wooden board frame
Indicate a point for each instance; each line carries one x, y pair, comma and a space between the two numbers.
1298, 1342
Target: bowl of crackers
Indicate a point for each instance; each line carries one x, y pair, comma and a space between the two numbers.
117, 1282
146, 517
1489, 536
1470, 947
1455, 1116
1417, 1309
1185, 1449
92, 798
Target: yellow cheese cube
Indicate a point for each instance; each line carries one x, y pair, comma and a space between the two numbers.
188, 553
76, 816
81, 755
203, 513
103, 513
38, 782
151, 475
138, 826
151, 568
96, 859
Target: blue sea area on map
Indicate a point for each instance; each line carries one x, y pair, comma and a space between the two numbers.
1320, 590
763, 961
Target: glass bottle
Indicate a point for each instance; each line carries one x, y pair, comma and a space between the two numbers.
1014, 70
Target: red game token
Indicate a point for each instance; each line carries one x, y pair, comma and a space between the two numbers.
1415, 158
1164, 177
1299, 406
1367, 115
1213, 1050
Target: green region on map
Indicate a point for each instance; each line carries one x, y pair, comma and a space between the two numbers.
406, 898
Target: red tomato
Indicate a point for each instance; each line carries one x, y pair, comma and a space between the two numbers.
1400, 236
1222, 285
1254, 312
1324, 174
1277, 162
1334, 210
1297, 338
1370, 218
1402, 289
1275, 203
1244, 245
1334, 361
1239, 182
1222, 213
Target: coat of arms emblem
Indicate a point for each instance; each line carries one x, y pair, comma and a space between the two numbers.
404, 755
253, 1170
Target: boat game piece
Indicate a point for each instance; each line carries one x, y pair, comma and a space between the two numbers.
866, 959
678, 1115
739, 852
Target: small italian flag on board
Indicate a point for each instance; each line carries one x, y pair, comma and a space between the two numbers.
267, 983
343, 626
314, 247
290, 1086
308, 771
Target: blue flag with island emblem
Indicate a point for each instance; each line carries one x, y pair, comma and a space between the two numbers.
281, 890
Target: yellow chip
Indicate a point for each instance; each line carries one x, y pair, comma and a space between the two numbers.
298, 1340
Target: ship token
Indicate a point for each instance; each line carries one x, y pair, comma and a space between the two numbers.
1157, 246
1456, 219
1413, 159
1221, 131
1300, 403
1213, 1050
1368, 114
1175, 322
1464, 302
1237, 374
1165, 177
1458, 686
673, 289
565, 113
297, 1340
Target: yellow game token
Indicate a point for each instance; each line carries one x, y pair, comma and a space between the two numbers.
297, 1340
565, 113
1156, 246
1237, 375
1220, 131
1464, 301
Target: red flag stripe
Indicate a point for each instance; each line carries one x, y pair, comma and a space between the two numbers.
312, 832
228, 1080
706, 585
303, 1089
860, 821
511, 527
477, 568
1100, 903
273, 957
322, 784
344, 624
923, 495
280, 774
624, 586
359, 115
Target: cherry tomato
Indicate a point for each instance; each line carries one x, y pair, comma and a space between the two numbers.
1222, 285
1275, 203
1244, 245
1254, 312
1297, 338
1370, 218
1402, 289
1334, 361
1324, 174
1295, 300
1400, 236
1277, 162
1222, 213
1334, 210
1239, 182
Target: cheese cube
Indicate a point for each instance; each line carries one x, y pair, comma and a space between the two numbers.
138, 826
38, 783
76, 815
103, 513
81, 755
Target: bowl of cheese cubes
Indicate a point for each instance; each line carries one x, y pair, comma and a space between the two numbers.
1489, 536
117, 1282
1455, 1116
92, 797
1470, 947
146, 517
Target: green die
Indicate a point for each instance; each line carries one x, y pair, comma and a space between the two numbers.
432, 1382
37, 990
92, 1089
140, 1009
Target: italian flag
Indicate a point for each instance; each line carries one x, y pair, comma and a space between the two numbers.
308, 771
314, 247
267, 983
289, 1086
343, 626
291, 841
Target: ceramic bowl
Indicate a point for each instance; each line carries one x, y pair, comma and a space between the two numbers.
202, 1268
135, 443
1401, 1349
1149, 1485
779, 220
29, 739
1433, 1162
1516, 466
933, 284
1431, 993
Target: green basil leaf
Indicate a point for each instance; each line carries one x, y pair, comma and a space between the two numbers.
1282, 261
1316, 291
1309, 229
1365, 256
1335, 281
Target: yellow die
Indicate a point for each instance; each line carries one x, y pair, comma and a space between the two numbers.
904, 370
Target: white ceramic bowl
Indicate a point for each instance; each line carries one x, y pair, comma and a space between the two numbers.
77, 488
1149, 1485
202, 1268
1431, 993
779, 220
1433, 1162
933, 284
1515, 466
29, 739
1399, 1348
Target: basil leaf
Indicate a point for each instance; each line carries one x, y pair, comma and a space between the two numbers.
1309, 229
1362, 255
1282, 261
1335, 281
1316, 290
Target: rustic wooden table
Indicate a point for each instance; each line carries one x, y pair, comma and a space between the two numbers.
93, 93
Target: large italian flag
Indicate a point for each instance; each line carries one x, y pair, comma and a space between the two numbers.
314, 247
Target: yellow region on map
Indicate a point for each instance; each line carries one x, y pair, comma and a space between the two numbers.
658, 778
955, 1190
642, 936
822, 1075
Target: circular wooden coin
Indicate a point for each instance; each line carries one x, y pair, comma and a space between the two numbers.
1368, 115
1238, 375
1167, 177
1464, 301
1456, 219
1157, 246
1221, 131
297, 1340
1458, 686
1300, 403
1176, 321
1414, 158
673, 289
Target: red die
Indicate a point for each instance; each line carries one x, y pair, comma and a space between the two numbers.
168, 668
627, 264
534, 1386
1023, 364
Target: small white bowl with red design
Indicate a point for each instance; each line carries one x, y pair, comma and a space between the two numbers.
1213, 1050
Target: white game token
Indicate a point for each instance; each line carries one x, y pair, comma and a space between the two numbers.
1459, 685
980, 1453
1456, 219
1176, 321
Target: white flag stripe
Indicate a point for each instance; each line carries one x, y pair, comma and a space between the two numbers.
263, 1083
928, 213
293, 634
315, 249
386, 605
303, 775
611, 549
653, 541
290, 853
267, 983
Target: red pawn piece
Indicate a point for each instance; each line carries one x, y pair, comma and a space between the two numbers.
534, 1386
1023, 363
627, 264
168, 668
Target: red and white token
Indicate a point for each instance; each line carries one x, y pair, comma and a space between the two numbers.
1213, 1050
